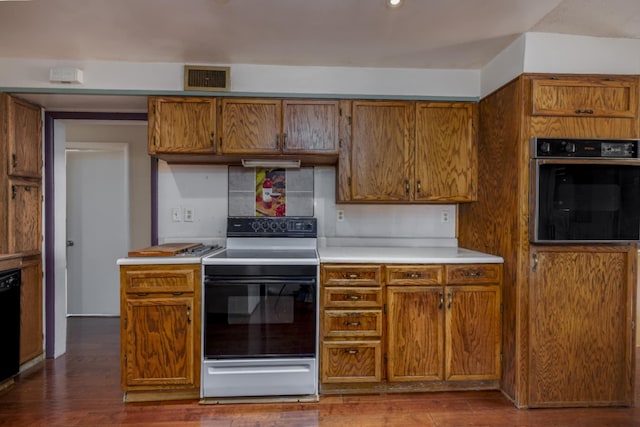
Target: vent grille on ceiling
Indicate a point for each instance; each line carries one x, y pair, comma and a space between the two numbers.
206, 78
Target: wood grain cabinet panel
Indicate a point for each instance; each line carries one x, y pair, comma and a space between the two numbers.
581, 323
346, 323
250, 126
445, 147
351, 275
182, 125
310, 127
473, 273
352, 297
160, 328
31, 334
412, 274
24, 219
351, 362
591, 97
23, 132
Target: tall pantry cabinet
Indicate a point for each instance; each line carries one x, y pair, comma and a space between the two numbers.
569, 310
21, 210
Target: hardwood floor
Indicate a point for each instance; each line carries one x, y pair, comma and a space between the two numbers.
82, 388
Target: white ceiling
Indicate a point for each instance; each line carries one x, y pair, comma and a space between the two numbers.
441, 34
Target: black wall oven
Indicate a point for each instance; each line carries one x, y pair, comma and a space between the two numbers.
584, 191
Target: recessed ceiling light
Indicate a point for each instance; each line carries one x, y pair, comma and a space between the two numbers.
394, 3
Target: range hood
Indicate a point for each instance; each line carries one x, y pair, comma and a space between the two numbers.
271, 163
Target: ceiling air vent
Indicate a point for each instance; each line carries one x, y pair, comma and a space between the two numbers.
206, 78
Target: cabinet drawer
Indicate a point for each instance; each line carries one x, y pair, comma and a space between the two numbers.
415, 274
474, 273
352, 297
341, 323
588, 98
351, 275
351, 361
160, 278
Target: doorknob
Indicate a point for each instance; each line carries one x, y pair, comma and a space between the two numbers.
70, 243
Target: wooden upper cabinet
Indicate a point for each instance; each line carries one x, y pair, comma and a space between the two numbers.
24, 216
182, 125
380, 150
23, 124
250, 126
585, 96
310, 127
445, 147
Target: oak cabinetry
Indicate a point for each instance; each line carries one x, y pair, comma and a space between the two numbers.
23, 216
537, 105
182, 125
410, 152
160, 329
351, 328
438, 327
31, 334
446, 331
581, 319
275, 126
22, 124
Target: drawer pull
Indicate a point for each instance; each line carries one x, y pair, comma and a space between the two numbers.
347, 323
353, 297
441, 295
413, 275
473, 274
350, 351
584, 111
351, 276
143, 294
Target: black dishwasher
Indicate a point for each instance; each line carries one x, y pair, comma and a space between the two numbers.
9, 323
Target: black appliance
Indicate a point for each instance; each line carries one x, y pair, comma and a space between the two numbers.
10, 323
584, 191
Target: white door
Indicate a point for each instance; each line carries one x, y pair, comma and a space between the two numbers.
97, 225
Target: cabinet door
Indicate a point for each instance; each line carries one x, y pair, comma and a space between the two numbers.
445, 161
24, 137
158, 340
351, 361
251, 126
31, 309
182, 125
587, 97
581, 314
415, 327
24, 216
473, 333
380, 147
310, 127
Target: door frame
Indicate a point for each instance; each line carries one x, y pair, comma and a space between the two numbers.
53, 316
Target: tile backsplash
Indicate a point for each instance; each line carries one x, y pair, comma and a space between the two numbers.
214, 192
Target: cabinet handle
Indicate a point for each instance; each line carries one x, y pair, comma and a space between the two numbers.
143, 294
277, 140
584, 111
350, 351
406, 188
351, 275
534, 268
353, 297
441, 295
449, 299
177, 293
213, 138
473, 274
347, 323
413, 275
419, 186
284, 140
189, 313
13, 192
14, 161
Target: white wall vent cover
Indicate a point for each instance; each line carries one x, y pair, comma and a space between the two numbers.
206, 78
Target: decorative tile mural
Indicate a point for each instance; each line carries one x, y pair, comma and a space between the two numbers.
270, 192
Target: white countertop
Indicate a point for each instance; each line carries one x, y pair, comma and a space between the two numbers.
405, 255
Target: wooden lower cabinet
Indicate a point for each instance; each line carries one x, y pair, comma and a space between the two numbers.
581, 316
439, 328
31, 334
160, 330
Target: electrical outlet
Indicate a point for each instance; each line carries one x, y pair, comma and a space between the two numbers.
340, 216
444, 216
188, 214
175, 215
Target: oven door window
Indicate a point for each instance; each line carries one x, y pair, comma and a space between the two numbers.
250, 318
588, 202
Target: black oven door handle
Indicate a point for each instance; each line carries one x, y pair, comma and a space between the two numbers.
209, 280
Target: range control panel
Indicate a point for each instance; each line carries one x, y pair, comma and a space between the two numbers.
272, 227
587, 148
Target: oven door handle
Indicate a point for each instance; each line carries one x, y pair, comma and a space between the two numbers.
208, 280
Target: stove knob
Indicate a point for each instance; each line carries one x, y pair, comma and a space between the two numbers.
570, 147
545, 147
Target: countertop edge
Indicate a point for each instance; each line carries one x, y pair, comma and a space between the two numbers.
158, 260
